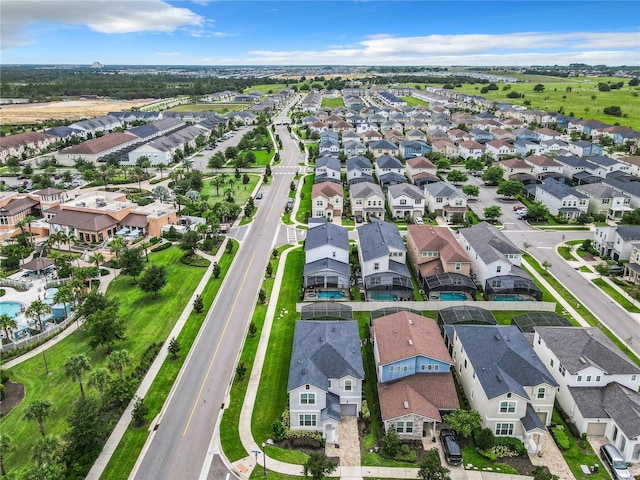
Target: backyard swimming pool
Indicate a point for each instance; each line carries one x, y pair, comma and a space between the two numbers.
331, 294
452, 296
508, 298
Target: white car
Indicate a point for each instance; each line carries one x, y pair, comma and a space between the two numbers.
418, 221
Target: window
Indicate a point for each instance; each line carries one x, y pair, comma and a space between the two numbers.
403, 201
308, 420
498, 268
633, 377
562, 370
423, 367
400, 427
541, 392
329, 384
504, 428
439, 200
307, 399
588, 378
579, 379
458, 266
376, 266
405, 368
436, 368
465, 363
507, 407
597, 378
408, 427
391, 368
348, 386
551, 362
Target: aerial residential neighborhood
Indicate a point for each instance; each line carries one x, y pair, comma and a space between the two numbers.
409, 270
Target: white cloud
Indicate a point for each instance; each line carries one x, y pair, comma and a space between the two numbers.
104, 16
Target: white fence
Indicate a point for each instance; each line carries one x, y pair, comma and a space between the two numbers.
432, 305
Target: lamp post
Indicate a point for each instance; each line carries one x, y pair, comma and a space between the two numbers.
264, 457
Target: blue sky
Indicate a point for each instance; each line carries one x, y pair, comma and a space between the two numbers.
259, 32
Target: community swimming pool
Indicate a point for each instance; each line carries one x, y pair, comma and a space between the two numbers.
14, 310
331, 294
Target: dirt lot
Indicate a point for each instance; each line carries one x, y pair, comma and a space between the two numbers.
69, 110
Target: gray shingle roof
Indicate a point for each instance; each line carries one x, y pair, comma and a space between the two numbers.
365, 190
489, 243
327, 264
324, 350
502, 359
376, 238
407, 189
559, 190
578, 347
531, 421
629, 232
387, 161
327, 234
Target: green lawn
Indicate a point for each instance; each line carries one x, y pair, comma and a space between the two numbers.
304, 209
412, 101
129, 448
332, 102
585, 269
210, 107
470, 456
566, 252
615, 295
262, 157
241, 192
149, 320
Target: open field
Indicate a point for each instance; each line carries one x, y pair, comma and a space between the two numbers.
210, 107
332, 102
68, 110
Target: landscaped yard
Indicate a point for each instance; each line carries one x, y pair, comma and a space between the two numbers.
148, 320
241, 192
615, 295
332, 102
304, 209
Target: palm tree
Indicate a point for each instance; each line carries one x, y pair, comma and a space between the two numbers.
26, 222
71, 239
145, 246
99, 378
97, 258
77, 287
117, 360
38, 410
37, 309
64, 296
75, 366
47, 451
218, 182
8, 323
160, 167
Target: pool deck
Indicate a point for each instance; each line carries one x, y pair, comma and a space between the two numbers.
312, 295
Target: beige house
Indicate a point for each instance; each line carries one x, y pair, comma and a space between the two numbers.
434, 249
326, 200
367, 200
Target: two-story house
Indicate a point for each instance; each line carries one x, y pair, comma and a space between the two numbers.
359, 169
616, 242
421, 171
382, 256
389, 170
471, 149
413, 366
326, 200
405, 199
598, 384
383, 147
504, 380
414, 148
367, 200
327, 170
445, 200
326, 249
440, 261
606, 200
561, 199
325, 376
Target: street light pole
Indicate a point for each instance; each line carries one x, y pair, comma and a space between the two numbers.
264, 456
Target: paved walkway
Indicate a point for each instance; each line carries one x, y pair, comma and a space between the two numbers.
552, 458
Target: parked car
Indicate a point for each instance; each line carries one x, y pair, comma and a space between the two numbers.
477, 174
258, 196
450, 447
614, 461
518, 207
522, 212
418, 221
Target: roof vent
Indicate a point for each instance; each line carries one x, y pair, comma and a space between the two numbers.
411, 321
410, 342
582, 359
406, 405
498, 336
499, 378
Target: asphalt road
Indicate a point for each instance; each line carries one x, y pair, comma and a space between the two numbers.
179, 447
543, 248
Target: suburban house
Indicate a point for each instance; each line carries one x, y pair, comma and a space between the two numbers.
471, 149
414, 148
445, 200
413, 366
606, 200
325, 376
433, 251
616, 242
367, 200
598, 384
495, 263
543, 165
446, 148
582, 148
504, 380
405, 199
359, 169
389, 170
353, 147
500, 148
514, 167
383, 147
382, 256
96, 148
326, 200
327, 170
326, 147
16, 145
561, 199
421, 170
326, 249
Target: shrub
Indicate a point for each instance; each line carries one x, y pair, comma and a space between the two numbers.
3, 392
488, 454
161, 247
365, 414
513, 443
560, 437
139, 413
195, 261
279, 431
4, 376
484, 438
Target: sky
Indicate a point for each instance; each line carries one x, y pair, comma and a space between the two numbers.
361, 32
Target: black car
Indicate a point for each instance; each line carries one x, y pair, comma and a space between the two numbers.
451, 447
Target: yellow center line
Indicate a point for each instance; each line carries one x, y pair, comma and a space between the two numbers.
215, 353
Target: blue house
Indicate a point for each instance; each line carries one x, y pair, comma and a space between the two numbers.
481, 136
414, 148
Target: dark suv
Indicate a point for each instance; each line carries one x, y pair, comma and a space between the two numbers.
450, 446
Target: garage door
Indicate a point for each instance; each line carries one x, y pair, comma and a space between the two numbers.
595, 428
348, 410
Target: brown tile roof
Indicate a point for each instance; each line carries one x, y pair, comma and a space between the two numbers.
429, 238
47, 192
137, 220
18, 205
326, 189
25, 138
512, 163
425, 394
405, 334
541, 161
38, 264
100, 144
420, 162
88, 221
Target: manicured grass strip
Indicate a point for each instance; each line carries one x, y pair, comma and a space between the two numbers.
129, 448
577, 455
584, 312
229, 434
615, 295
585, 269
413, 101
332, 102
565, 252
148, 319
304, 209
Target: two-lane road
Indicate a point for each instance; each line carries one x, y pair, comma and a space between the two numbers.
178, 448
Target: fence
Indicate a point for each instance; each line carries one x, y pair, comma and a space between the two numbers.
19, 285
433, 305
56, 283
40, 337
